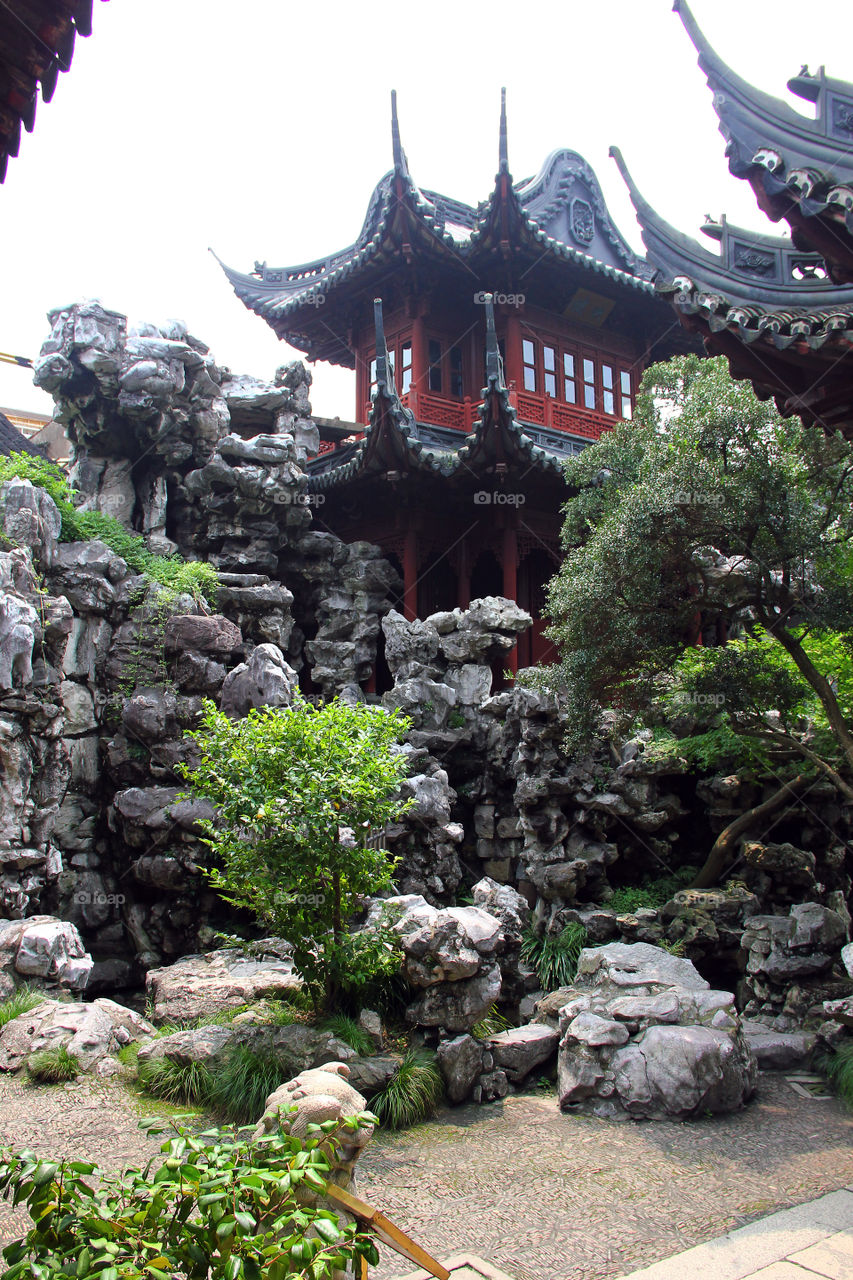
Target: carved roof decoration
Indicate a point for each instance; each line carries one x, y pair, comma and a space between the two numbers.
561, 211
36, 43
395, 442
800, 168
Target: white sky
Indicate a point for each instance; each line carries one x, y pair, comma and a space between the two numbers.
261, 127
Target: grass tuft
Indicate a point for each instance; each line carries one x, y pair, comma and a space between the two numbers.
241, 1084
838, 1069
176, 1083
20, 1001
491, 1025
412, 1094
555, 956
53, 1066
348, 1030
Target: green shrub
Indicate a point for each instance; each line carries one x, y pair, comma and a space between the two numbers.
53, 1066
188, 1082
555, 956
348, 1030
652, 893
412, 1094
838, 1069
218, 1205
20, 1001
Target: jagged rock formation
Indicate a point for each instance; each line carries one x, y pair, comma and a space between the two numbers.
102, 671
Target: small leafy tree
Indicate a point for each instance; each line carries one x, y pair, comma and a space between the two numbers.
220, 1206
712, 511
299, 792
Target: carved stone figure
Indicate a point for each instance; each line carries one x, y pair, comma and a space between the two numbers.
320, 1094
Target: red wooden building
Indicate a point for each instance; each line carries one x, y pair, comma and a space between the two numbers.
508, 337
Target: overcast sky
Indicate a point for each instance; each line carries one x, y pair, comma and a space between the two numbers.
260, 128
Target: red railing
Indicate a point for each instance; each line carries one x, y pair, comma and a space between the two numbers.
539, 410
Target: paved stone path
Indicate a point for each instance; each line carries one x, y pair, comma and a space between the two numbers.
813, 1240
545, 1196
539, 1195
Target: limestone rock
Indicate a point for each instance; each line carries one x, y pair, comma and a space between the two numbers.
265, 680
45, 950
197, 986
643, 1033
460, 1061
519, 1050
88, 1031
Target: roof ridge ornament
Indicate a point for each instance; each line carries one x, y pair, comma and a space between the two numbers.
401, 165
493, 351
381, 349
503, 147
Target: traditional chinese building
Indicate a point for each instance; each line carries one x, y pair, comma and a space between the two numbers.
488, 344
780, 309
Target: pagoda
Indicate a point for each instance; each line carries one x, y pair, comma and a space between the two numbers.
779, 308
489, 344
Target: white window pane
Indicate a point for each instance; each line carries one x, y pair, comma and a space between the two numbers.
570, 392
608, 402
407, 381
549, 358
589, 396
550, 385
569, 366
588, 371
527, 351
607, 376
529, 378
625, 382
627, 411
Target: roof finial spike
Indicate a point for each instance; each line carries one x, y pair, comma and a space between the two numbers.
400, 165
503, 149
381, 346
493, 352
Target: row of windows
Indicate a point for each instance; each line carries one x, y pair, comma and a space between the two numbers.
563, 375
444, 374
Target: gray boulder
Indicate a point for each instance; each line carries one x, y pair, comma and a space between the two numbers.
44, 951
643, 1033
519, 1050
265, 680
460, 1062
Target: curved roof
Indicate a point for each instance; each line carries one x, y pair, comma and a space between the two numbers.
801, 168
394, 441
558, 215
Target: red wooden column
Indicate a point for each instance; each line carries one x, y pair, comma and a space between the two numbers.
410, 574
513, 368
420, 363
510, 588
463, 576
